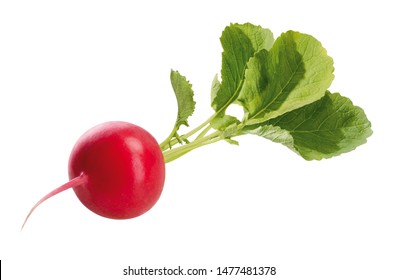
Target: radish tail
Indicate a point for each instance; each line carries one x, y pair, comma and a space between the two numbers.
80, 180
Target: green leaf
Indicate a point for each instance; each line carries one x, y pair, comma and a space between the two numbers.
295, 72
322, 129
184, 96
240, 42
215, 86
224, 122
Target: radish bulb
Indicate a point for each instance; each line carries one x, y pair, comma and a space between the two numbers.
116, 169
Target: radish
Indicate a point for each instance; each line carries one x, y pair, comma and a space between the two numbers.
116, 169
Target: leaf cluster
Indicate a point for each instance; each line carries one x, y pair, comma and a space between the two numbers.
282, 85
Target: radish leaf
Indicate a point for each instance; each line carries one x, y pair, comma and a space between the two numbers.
184, 96
282, 86
240, 43
295, 72
186, 105
322, 129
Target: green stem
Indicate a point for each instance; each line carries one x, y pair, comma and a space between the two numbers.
172, 140
173, 154
201, 140
166, 143
204, 132
197, 129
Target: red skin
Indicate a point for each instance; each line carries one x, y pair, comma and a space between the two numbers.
122, 167
116, 169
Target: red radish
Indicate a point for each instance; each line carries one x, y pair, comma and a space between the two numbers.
116, 169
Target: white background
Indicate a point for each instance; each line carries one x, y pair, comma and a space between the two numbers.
68, 65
